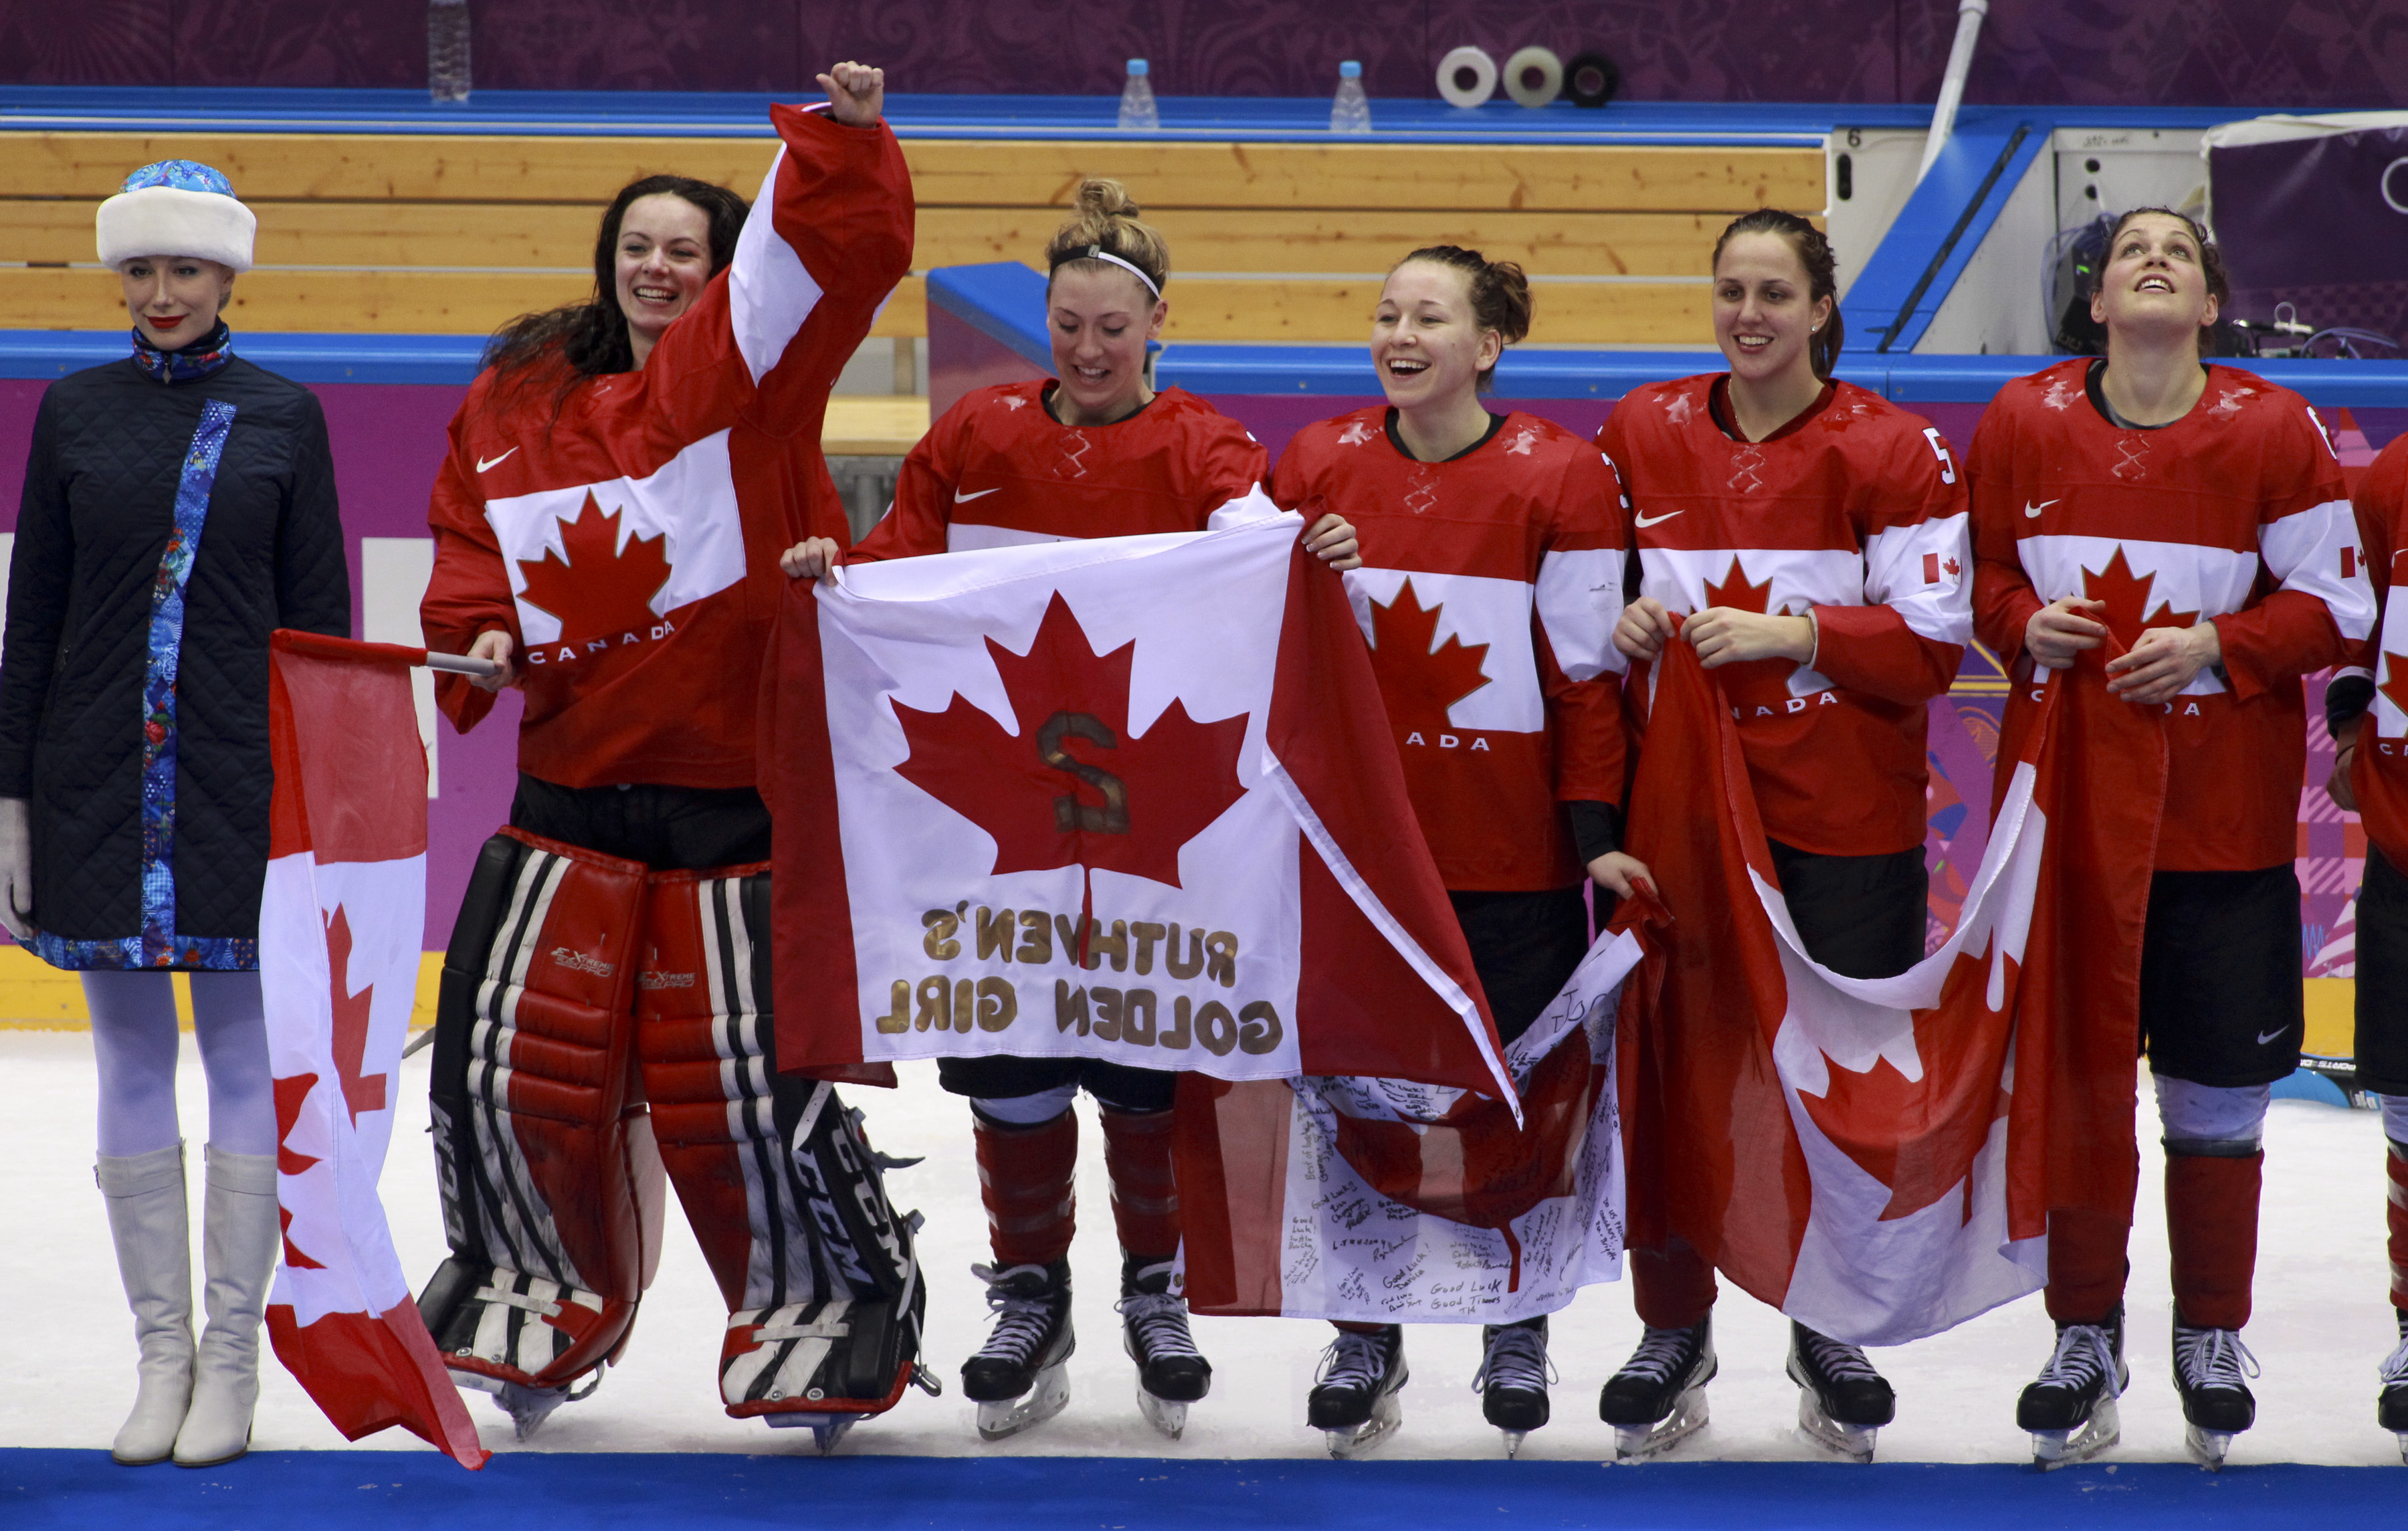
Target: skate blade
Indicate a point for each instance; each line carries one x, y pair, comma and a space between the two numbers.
2208, 1448
1046, 1398
826, 1429
1356, 1440
528, 1407
1167, 1415
2403, 1438
1513, 1443
2055, 1448
1852, 1441
1637, 1442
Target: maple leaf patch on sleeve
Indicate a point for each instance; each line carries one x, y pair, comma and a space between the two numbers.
1072, 786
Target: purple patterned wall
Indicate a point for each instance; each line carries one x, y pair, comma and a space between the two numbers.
2328, 54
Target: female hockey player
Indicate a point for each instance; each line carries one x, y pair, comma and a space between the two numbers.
178, 508
1814, 535
622, 482
2196, 512
1091, 452
1501, 531
2369, 778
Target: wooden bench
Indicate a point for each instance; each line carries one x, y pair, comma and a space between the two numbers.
434, 234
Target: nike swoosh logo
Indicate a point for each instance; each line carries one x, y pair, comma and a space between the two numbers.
1650, 521
2031, 510
960, 498
485, 463
2265, 1036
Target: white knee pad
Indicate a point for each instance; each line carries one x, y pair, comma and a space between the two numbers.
2395, 1117
1029, 1111
2197, 1115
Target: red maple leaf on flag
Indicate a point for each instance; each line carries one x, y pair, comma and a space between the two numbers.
2127, 596
1419, 677
1910, 1135
290, 1094
1072, 787
360, 1093
597, 589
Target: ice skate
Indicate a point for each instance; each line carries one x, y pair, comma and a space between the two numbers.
1355, 1397
2391, 1408
1658, 1398
2070, 1409
2209, 1364
1171, 1373
1842, 1402
1019, 1378
1512, 1379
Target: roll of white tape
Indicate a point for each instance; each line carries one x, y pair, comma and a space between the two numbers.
1534, 76
1467, 77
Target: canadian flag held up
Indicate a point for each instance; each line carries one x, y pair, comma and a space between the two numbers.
1132, 798
339, 925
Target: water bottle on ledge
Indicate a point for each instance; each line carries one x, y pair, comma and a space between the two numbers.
446, 51
1137, 101
1351, 112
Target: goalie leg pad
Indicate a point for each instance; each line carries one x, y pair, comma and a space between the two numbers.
543, 1158
785, 1194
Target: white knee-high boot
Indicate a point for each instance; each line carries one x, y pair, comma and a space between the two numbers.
152, 1229
240, 1234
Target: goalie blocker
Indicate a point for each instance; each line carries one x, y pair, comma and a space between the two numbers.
568, 974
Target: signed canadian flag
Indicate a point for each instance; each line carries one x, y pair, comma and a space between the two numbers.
339, 926
1132, 798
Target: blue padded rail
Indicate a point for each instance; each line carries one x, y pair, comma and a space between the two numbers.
1003, 300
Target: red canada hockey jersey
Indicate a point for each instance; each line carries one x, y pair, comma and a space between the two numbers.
1489, 590
2234, 514
1855, 512
999, 469
628, 539
2379, 771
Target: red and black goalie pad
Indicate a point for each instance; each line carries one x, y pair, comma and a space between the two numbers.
550, 1183
785, 1197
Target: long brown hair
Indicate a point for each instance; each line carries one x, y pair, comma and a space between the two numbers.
590, 339
1813, 253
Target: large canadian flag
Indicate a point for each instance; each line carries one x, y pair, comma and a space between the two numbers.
1132, 798
339, 926
1879, 1158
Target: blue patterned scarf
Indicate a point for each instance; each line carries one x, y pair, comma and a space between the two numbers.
204, 358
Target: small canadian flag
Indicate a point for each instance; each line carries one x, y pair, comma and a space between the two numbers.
1934, 566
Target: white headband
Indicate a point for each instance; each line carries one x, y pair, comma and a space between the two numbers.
1097, 253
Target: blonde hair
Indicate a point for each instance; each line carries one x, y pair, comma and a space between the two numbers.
1107, 221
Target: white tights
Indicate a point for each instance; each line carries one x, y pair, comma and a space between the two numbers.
133, 1038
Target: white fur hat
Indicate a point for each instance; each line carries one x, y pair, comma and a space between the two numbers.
176, 207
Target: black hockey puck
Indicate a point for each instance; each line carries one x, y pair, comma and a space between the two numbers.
1591, 79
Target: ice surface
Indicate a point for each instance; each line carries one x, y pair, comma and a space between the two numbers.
2322, 1325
